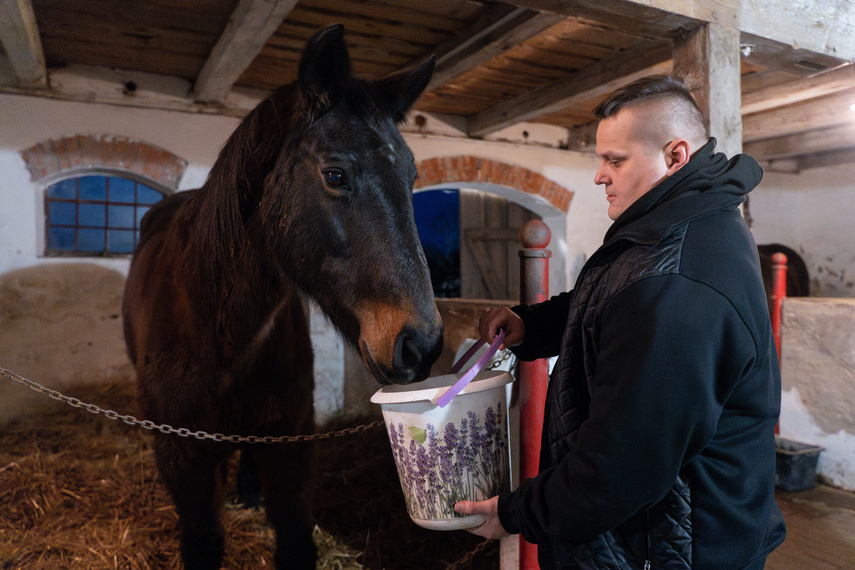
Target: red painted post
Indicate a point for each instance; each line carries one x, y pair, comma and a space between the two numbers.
534, 288
779, 292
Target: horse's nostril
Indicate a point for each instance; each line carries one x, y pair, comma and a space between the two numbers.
410, 355
415, 352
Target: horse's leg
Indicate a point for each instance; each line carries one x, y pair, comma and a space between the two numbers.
285, 473
195, 480
249, 490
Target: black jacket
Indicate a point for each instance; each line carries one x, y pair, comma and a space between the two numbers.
658, 439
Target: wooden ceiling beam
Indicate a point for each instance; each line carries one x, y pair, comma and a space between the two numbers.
818, 113
633, 19
799, 90
839, 136
817, 26
591, 82
251, 25
497, 31
19, 35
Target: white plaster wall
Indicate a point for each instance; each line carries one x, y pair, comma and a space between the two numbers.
24, 121
812, 213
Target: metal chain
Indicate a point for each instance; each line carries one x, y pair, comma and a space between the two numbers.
183, 432
505, 356
467, 558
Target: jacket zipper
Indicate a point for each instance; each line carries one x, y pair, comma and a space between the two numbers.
647, 564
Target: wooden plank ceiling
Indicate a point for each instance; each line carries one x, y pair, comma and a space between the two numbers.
500, 64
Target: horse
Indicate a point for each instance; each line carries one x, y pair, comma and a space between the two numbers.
310, 197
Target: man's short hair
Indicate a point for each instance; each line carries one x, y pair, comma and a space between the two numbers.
684, 112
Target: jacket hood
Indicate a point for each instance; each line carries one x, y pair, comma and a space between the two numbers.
708, 182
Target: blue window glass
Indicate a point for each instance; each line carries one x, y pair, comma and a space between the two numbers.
66, 189
121, 216
141, 210
90, 240
93, 188
92, 215
121, 241
96, 214
122, 190
61, 239
146, 195
63, 213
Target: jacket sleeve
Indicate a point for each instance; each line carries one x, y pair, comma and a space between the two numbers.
544, 326
669, 351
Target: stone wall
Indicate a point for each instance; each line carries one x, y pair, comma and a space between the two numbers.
60, 326
818, 376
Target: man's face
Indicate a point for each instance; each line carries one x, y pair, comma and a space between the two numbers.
629, 165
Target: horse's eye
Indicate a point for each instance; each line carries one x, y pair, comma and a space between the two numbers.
333, 177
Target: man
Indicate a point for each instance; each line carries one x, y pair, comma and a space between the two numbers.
658, 436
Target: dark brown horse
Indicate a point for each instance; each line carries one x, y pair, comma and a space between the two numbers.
312, 195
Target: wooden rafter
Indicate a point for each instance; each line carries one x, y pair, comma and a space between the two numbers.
251, 25
19, 35
500, 29
817, 26
594, 81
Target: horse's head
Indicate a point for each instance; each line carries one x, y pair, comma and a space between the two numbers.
337, 208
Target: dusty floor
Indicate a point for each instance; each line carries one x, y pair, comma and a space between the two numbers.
360, 505
820, 530
78, 490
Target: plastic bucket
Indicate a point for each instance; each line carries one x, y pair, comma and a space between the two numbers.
452, 453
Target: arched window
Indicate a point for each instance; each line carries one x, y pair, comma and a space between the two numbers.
96, 214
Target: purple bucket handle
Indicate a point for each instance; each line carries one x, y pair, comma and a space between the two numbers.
449, 394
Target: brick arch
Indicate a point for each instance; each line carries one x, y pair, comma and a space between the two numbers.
469, 168
112, 151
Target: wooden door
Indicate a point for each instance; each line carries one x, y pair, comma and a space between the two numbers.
489, 246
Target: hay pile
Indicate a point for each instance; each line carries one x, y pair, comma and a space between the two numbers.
81, 491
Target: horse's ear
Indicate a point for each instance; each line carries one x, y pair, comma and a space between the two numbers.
405, 86
324, 69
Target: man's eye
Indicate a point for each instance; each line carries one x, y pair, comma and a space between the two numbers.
334, 178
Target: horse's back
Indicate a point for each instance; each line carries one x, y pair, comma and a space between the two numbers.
149, 288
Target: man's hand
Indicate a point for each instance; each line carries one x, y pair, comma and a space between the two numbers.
497, 318
492, 528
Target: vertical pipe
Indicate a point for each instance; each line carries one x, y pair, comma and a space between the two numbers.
779, 292
534, 288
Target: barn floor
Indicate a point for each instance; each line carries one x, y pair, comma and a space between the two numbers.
820, 530
81, 491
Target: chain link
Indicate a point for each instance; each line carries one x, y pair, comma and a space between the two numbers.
467, 558
202, 435
183, 432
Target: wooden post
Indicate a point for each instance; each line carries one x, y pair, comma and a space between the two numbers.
708, 60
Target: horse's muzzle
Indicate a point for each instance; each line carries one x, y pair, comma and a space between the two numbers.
413, 354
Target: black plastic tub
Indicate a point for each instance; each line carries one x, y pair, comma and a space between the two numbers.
795, 464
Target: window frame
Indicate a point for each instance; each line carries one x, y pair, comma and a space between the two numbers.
75, 173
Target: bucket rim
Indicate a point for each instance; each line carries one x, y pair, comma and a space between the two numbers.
403, 394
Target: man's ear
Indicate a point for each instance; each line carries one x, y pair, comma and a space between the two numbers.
677, 154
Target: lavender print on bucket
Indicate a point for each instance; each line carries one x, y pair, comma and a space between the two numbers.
445, 455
